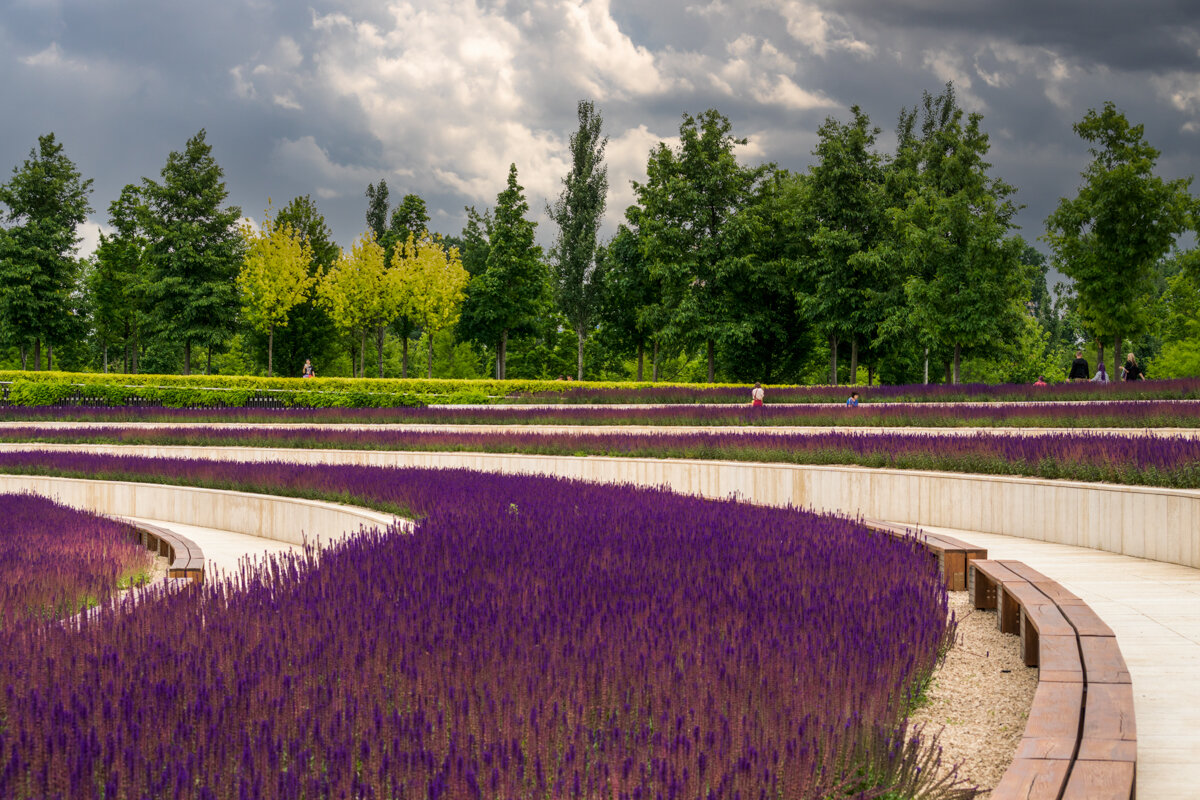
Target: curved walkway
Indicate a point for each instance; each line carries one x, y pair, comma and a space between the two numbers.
222, 549
1154, 609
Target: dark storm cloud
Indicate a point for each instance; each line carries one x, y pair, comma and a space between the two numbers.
1146, 35
439, 98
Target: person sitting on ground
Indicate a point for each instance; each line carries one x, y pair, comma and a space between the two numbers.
1133, 370
852, 400
756, 395
1079, 367
1041, 381
308, 369
1101, 374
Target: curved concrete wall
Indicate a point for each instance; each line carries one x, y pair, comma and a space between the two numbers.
1146, 522
285, 519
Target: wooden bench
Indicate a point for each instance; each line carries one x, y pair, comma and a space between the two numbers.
952, 554
1081, 739
184, 557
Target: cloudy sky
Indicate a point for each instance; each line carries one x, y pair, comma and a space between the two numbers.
323, 98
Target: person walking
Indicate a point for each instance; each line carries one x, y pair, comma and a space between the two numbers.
756, 395
308, 369
1101, 374
1079, 368
1133, 370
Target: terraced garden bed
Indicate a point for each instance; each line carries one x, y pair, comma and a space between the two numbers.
56, 561
533, 638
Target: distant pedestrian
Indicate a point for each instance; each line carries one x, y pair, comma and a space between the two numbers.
1133, 370
1101, 374
756, 395
852, 400
1079, 368
308, 369
1041, 381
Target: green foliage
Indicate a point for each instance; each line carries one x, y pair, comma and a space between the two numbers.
690, 230
194, 250
46, 200
1123, 220
577, 213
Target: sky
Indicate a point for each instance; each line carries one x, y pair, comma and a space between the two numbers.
438, 98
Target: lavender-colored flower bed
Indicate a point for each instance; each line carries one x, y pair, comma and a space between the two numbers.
56, 560
1116, 414
1155, 461
534, 638
1176, 389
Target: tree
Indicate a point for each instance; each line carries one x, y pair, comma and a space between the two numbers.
194, 250
116, 283
630, 312
1123, 220
351, 291
689, 228
507, 296
964, 283
846, 200
410, 219
46, 200
274, 277
309, 331
577, 213
431, 284
377, 209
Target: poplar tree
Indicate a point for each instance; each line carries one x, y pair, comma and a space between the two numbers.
117, 281
577, 213
45, 202
194, 250
309, 332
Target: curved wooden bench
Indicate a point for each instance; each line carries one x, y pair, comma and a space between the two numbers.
1080, 742
185, 559
952, 554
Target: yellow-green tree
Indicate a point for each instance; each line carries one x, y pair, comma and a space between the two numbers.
274, 277
431, 284
361, 294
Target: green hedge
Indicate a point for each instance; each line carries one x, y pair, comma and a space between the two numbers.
49, 388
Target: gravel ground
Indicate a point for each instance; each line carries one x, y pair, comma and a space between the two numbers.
979, 699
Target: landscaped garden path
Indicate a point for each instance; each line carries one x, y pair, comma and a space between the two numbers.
1154, 609
222, 549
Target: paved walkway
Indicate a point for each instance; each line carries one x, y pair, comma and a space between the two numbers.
222, 549
1154, 609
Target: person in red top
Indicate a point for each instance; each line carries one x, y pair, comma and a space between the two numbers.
1041, 381
756, 395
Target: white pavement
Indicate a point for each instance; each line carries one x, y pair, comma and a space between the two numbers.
1154, 609
223, 549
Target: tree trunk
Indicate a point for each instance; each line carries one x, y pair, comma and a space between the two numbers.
136, 344
926, 366
502, 355
429, 355
1100, 357
579, 332
187, 358
380, 333
1118, 357
957, 360
208, 361
870, 374
854, 361
106, 358
403, 356
49, 357
271, 351
641, 359
655, 378
948, 373
833, 345
711, 363
24, 358
37, 355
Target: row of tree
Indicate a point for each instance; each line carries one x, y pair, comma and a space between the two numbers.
885, 263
